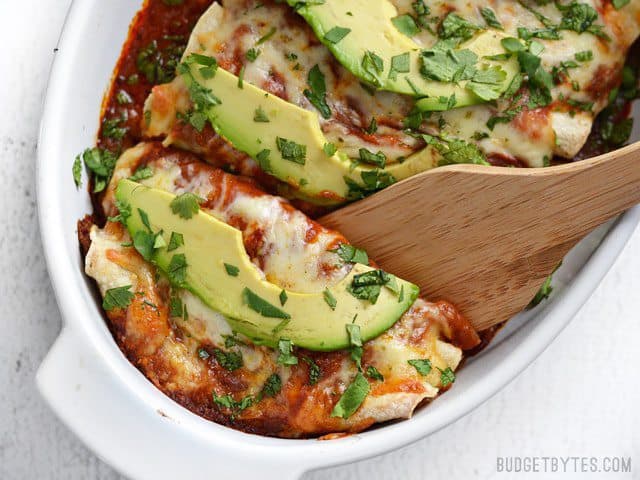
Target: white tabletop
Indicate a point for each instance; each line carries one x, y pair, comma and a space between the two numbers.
577, 399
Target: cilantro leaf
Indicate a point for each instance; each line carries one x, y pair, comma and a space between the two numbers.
454, 26
231, 270
283, 297
177, 270
314, 370
286, 356
292, 151
266, 36
141, 173
100, 164
336, 34
352, 397
317, 91
423, 366
175, 306
367, 286
144, 243
228, 360
372, 372
260, 116
186, 205
378, 159
272, 386
176, 240
261, 306
350, 254
406, 25
329, 299
77, 171
447, 376
490, 17
399, 64
329, 149
119, 297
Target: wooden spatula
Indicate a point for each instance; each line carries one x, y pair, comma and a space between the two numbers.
485, 238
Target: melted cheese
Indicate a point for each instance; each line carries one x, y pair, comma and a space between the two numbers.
532, 138
174, 363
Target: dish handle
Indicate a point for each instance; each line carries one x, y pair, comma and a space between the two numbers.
139, 441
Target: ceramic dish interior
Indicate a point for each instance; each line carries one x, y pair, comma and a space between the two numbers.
109, 404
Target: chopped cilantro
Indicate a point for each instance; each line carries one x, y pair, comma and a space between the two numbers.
378, 159
314, 370
159, 65
400, 64
228, 360
584, 56
262, 158
283, 297
77, 171
177, 270
329, 299
317, 91
367, 286
252, 54
454, 26
373, 65
272, 385
260, 116
186, 205
100, 164
236, 407
231, 270
286, 356
119, 297
372, 372
490, 17
373, 126
329, 149
176, 240
336, 34
351, 254
123, 97
144, 243
266, 36
124, 212
543, 293
372, 181
447, 376
355, 343
406, 25
261, 306
422, 366
175, 306
618, 4
141, 173
352, 397
292, 151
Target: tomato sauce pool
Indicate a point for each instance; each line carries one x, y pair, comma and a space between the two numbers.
150, 55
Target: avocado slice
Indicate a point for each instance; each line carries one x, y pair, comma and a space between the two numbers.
363, 38
276, 142
219, 271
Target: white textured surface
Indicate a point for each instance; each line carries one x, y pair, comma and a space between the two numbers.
580, 397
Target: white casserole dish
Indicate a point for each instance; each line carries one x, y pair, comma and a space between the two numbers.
120, 415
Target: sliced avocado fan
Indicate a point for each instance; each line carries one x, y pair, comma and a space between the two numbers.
363, 38
286, 140
212, 263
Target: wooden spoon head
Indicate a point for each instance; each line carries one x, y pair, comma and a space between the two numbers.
486, 238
